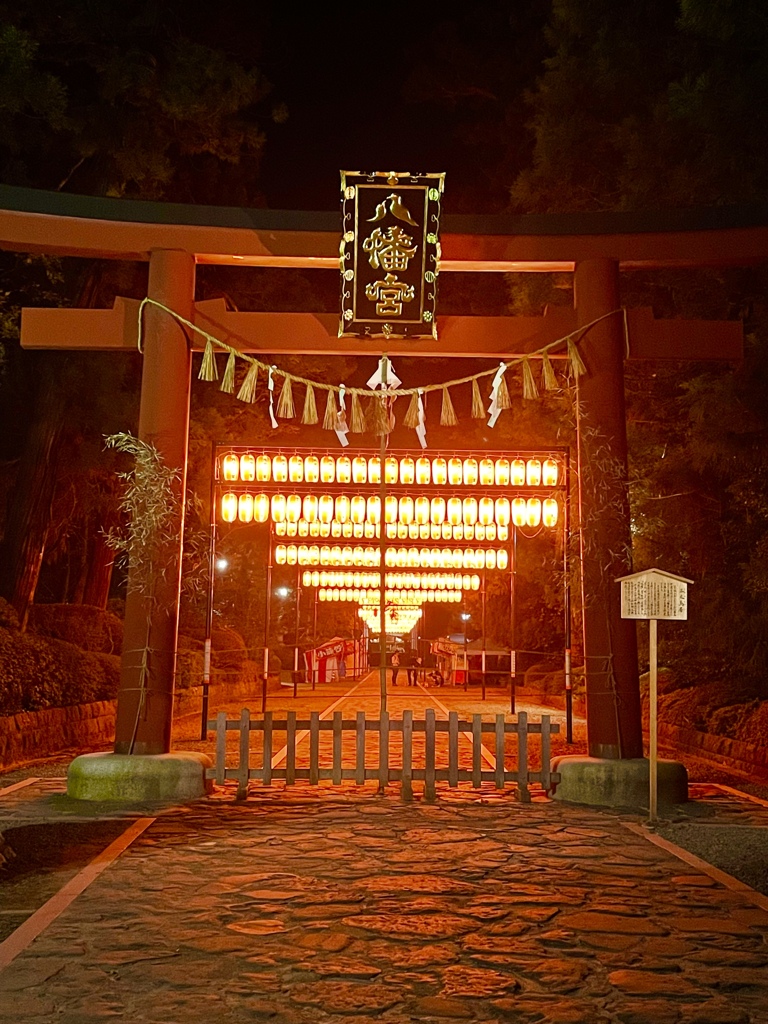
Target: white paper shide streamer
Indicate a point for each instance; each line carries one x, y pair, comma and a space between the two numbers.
341, 427
271, 388
494, 409
421, 430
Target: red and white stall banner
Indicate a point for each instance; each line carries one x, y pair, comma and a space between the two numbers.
335, 659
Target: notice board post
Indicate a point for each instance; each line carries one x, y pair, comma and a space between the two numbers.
653, 594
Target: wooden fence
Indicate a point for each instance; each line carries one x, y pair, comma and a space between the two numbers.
283, 766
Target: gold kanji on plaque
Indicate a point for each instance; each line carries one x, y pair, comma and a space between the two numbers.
390, 254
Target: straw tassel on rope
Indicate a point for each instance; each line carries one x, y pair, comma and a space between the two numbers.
412, 415
377, 420
548, 378
208, 368
448, 417
285, 406
478, 409
502, 399
357, 419
578, 369
329, 420
529, 384
309, 415
228, 380
247, 392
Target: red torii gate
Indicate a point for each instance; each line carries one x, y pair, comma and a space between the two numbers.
594, 247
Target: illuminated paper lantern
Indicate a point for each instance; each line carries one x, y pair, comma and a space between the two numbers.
325, 507
374, 470
358, 510
485, 511
439, 471
359, 470
391, 470
230, 467
470, 472
533, 472
423, 470
341, 511
455, 471
293, 508
501, 472
261, 508
263, 468
309, 508
280, 554
311, 469
278, 508
327, 469
533, 517
519, 511
280, 469
549, 512
245, 508
343, 469
517, 472
247, 468
549, 473
407, 470
405, 510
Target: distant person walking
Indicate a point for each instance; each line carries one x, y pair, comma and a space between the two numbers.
395, 667
410, 668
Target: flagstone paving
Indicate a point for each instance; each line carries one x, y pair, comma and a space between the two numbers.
322, 905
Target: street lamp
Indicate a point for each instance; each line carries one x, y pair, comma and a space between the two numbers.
465, 617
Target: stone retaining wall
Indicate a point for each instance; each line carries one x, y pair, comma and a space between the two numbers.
36, 734
742, 755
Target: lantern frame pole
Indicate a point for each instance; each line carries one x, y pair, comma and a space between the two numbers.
209, 600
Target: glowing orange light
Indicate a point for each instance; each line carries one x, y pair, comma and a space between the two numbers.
261, 508
485, 511
519, 511
501, 511
407, 470
303, 528
374, 470
342, 508
533, 512
486, 472
327, 469
229, 507
357, 509
391, 470
533, 473
470, 511
390, 509
293, 508
359, 469
311, 469
405, 511
278, 508
263, 468
280, 554
343, 469
230, 467
550, 512
517, 472
325, 508
310, 508
279, 469
439, 471
454, 511
550, 472
291, 554
423, 470
455, 471
373, 509
501, 472
502, 558
421, 511
247, 468
470, 472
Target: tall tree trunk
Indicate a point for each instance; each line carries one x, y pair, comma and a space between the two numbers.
29, 508
99, 577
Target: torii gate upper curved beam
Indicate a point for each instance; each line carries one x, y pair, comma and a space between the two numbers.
67, 225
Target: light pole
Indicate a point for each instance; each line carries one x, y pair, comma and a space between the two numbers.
465, 617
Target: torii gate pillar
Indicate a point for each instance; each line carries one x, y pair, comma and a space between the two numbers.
145, 698
610, 643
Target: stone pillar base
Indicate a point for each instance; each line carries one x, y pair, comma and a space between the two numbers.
602, 783
138, 778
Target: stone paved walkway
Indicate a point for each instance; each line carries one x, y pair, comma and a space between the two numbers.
329, 906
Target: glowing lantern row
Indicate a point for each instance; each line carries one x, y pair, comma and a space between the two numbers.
397, 580
393, 531
343, 469
412, 518
401, 598
401, 558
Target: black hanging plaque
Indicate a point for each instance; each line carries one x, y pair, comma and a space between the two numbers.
390, 254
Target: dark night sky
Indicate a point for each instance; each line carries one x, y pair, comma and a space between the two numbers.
341, 74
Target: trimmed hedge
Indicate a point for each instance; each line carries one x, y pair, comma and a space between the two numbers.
38, 672
87, 627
